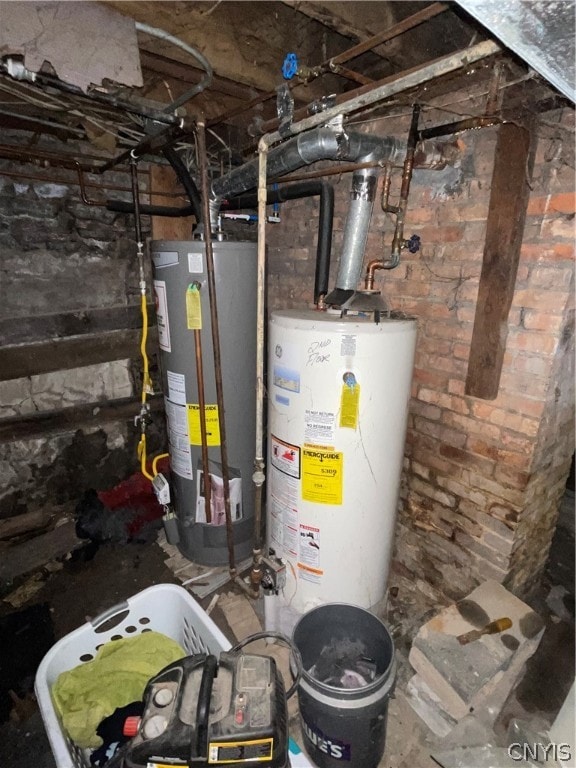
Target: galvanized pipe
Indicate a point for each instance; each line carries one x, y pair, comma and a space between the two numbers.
259, 464
352, 101
356, 231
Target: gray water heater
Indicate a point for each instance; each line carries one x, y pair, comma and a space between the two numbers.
179, 270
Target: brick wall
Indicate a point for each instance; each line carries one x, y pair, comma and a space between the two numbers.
482, 479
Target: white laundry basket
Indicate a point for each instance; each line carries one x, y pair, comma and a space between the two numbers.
164, 608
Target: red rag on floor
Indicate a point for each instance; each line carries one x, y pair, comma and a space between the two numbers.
136, 493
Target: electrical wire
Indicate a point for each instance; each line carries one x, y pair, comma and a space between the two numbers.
194, 52
289, 643
295, 577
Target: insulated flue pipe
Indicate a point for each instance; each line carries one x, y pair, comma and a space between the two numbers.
325, 220
186, 180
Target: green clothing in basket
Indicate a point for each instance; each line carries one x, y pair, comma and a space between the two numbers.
118, 674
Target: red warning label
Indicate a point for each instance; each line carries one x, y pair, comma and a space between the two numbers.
285, 457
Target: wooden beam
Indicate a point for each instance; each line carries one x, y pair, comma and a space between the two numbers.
391, 32
48, 327
513, 164
163, 179
163, 65
337, 17
74, 352
69, 419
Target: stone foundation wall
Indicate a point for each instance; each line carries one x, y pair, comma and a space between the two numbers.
62, 260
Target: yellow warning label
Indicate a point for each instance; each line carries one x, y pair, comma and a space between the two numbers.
193, 308
212, 424
230, 752
349, 406
322, 476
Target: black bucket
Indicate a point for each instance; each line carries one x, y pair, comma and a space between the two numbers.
344, 726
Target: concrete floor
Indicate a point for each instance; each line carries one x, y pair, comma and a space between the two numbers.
82, 590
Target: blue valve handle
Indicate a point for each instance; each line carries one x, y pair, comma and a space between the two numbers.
290, 66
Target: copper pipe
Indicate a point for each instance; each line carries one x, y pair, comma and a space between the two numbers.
398, 240
386, 207
205, 191
73, 182
468, 124
202, 415
83, 195
372, 267
400, 210
394, 31
338, 69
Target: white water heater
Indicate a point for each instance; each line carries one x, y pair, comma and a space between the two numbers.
338, 393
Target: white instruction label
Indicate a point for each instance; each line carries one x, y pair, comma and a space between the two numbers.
195, 263
309, 551
309, 554
162, 315
180, 450
319, 427
348, 345
176, 387
284, 511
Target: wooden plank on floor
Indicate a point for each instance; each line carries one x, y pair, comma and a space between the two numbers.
513, 163
11, 527
23, 360
34, 553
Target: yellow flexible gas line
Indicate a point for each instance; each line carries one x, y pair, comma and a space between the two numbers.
146, 386
142, 457
146, 380
156, 460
